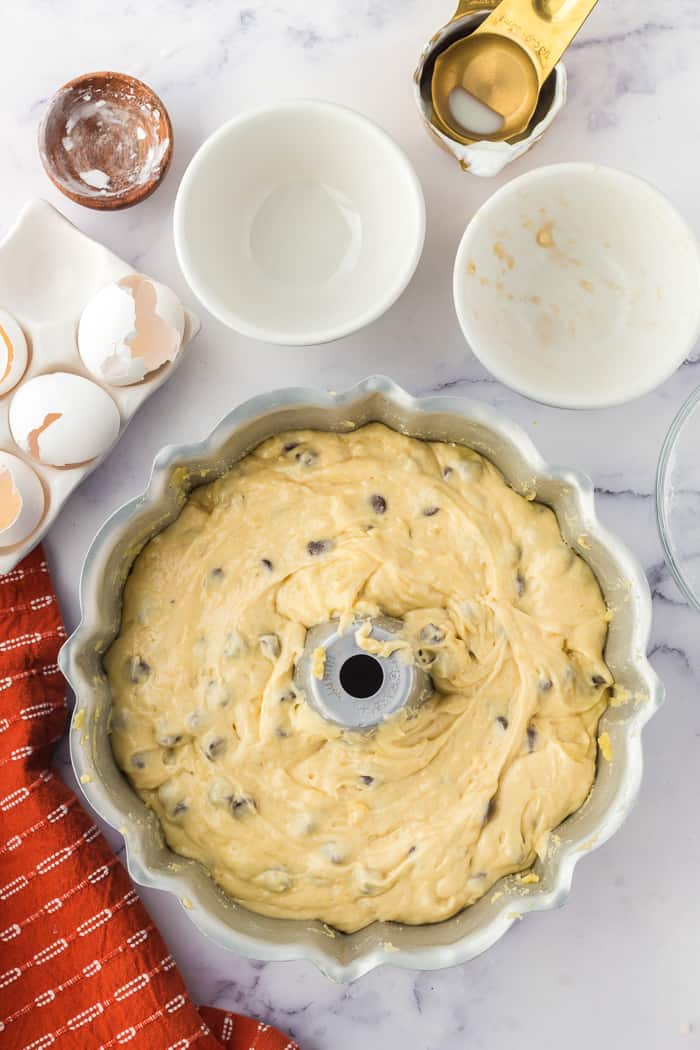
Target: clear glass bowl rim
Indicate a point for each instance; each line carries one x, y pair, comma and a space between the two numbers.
662, 518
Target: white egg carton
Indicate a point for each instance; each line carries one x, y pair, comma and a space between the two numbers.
49, 271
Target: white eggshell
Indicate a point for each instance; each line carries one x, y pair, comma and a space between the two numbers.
22, 500
61, 419
13, 352
130, 328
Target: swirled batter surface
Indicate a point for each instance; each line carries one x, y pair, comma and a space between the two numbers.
297, 817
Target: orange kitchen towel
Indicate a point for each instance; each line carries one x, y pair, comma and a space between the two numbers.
81, 963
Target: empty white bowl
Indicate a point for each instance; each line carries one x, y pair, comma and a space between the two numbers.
299, 222
579, 286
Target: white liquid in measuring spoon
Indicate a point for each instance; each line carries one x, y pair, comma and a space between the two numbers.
472, 114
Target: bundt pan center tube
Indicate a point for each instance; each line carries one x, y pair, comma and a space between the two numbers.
352, 688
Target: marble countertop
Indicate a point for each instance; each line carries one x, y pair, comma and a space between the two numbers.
618, 966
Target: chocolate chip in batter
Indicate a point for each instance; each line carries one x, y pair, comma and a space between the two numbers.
378, 503
490, 810
137, 670
139, 759
366, 779
217, 694
531, 737
217, 574
170, 739
275, 880
214, 747
372, 884
425, 657
289, 446
270, 646
179, 808
520, 584
234, 644
302, 824
243, 806
411, 851
502, 721
545, 685
430, 512
447, 472
306, 456
432, 634
569, 671
333, 852
196, 719
266, 564
598, 679
316, 547
288, 695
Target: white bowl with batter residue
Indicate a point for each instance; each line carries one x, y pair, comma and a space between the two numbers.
579, 286
179, 469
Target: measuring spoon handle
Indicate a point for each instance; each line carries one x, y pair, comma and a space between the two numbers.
543, 28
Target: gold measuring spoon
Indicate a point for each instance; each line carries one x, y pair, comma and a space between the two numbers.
486, 85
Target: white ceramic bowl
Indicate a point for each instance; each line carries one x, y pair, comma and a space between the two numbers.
299, 222
579, 286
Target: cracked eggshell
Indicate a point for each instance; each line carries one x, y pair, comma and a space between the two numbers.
62, 420
131, 328
13, 352
22, 500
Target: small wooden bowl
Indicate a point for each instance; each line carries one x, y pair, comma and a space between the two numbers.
106, 140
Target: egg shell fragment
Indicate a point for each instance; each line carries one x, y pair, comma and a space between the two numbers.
132, 327
22, 500
62, 420
14, 353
